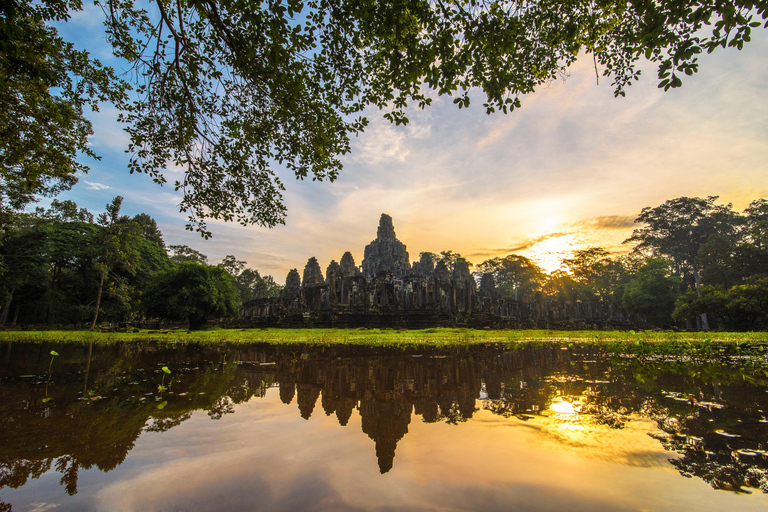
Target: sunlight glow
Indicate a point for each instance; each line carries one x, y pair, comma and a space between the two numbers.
562, 407
550, 252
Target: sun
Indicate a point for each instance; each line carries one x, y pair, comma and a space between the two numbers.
550, 251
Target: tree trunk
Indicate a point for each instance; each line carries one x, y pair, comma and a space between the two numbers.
697, 282
98, 299
6, 308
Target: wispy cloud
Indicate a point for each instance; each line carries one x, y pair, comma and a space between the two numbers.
381, 142
94, 185
518, 247
609, 222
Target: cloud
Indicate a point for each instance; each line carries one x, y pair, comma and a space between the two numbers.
108, 134
381, 142
521, 246
609, 222
93, 185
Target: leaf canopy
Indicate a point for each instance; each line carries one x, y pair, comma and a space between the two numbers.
233, 91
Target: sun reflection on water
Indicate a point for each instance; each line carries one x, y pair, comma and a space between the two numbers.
565, 415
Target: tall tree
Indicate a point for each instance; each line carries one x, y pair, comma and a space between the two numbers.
64, 211
182, 253
753, 251
516, 276
51, 268
227, 88
232, 265
594, 268
149, 229
677, 230
651, 293
192, 292
117, 247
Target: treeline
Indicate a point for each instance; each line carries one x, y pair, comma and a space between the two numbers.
65, 266
695, 264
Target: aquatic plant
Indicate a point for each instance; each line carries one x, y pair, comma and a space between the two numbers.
165, 369
53, 354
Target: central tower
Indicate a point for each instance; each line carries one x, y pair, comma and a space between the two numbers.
386, 253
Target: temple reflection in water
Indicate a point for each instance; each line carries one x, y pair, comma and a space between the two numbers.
95, 405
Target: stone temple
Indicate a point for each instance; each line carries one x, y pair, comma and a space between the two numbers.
389, 291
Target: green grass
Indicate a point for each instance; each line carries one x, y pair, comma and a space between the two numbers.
386, 337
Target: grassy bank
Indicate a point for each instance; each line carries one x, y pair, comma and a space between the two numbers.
384, 337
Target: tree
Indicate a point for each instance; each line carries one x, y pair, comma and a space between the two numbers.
448, 258
250, 285
192, 292
561, 286
719, 261
64, 211
426, 264
131, 276
516, 277
51, 269
58, 268
747, 308
47, 85
149, 230
594, 268
232, 265
226, 89
707, 300
651, 293
182, 253
679, 228
752, 253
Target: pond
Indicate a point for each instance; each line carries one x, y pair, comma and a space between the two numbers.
259, 427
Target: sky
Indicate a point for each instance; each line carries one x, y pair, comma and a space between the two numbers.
570, 169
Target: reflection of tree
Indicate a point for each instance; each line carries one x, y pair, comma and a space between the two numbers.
15, 473
97, 430
717, 428
68, 466
72, 432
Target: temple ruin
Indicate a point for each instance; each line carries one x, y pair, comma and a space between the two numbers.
389, 291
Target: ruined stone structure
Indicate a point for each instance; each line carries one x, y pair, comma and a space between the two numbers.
292, 285
347, 265
390, 292
386, 253
312, 273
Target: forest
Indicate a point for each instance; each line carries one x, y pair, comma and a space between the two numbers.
693, 264
65, 266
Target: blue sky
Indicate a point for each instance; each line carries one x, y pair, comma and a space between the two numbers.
572, 168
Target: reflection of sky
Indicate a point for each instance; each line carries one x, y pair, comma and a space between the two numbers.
572, 165
265, 457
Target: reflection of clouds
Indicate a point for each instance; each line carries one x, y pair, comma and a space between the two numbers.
41, 507
584, 436
264, 457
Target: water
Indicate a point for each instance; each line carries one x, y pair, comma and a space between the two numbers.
295, 428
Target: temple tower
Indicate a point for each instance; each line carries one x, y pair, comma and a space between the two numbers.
386, 253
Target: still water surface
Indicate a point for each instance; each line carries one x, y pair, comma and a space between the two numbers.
296, 428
